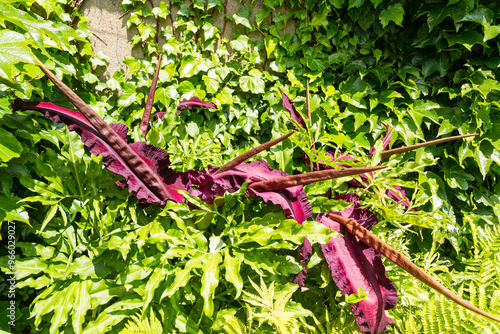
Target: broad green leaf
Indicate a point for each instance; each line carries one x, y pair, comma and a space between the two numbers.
232, 266
490, 31
240, 44
262, 13
242, 16
10, 147
209, 30
185, 87
437, 15
50, 215
480, 15
432, 62
270, 43
393, 13
13, 49
466, 38
456, 177
484, 162
112, 315
11, 210
158, 276
81, 305
102, 291
252, 82
315, 232
29, 266
355, 3
128, 95
86, 268
63, 306
48, 5
182, 276
210, 281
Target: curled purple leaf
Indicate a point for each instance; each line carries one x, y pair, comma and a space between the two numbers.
353, 265
288, 105
120, 146
195, 102
385, 141
159, 115
399, 196
98, 146
192, 102
305, 253
402, 261
293, 200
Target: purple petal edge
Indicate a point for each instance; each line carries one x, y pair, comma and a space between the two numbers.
98, 146
288, 105
293, 200
353, 264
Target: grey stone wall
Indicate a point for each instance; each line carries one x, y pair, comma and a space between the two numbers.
108, 23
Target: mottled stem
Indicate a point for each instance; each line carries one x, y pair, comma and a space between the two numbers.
315, 166
135, 162
149, 102
254, 151
392, 254
307, 178
400, 150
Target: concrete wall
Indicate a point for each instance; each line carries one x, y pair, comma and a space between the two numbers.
108, 23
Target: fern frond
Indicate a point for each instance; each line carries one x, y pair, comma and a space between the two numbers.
441, 315
489, 239
149, 325
272, 308
411, 326
234, 325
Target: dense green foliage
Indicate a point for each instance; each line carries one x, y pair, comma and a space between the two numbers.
89, 257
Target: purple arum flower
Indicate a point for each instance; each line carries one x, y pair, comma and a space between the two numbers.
353, 265
353, 258
193, 102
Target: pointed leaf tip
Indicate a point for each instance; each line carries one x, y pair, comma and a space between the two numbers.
405, 149
254, 151
149, 102
294, 114
307, 178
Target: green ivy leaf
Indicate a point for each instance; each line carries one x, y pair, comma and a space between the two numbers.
13, 49
355, 3
48, 5
456, 177
240, 44
437, 15
270, 42
185, 87
483, 162
242, 17
128, 95
161, 10
490, 31
10, 147
261, 15
394, 13
252, 82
